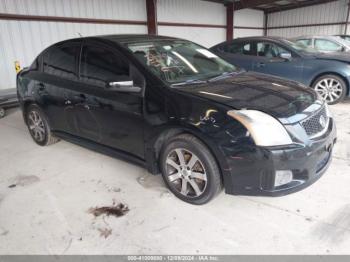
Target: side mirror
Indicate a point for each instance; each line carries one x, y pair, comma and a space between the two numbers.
124, 84
286, 56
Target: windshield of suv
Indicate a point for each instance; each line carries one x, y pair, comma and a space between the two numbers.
298, 46
178, 61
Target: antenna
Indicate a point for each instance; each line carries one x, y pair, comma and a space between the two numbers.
80, 34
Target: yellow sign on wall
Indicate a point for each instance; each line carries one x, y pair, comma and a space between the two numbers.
17, 66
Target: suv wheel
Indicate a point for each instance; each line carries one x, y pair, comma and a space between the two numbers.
39, 127
190, 170
331, 88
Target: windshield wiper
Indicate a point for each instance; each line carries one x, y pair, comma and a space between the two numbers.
223, 75
188, 82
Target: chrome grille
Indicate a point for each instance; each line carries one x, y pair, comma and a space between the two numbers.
313, 125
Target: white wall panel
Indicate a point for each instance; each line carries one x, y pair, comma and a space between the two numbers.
104, 9
194, 12
181, 11
310, 30
203, 36
247, 32
24, 40
249, 17
191, 11
324, 13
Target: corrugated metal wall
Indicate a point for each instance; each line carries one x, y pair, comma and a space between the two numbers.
324, 13
201, 12
24, 40
248, 18
196, 12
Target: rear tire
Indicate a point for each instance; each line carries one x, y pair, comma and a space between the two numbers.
331, 88
39, 127
190, 170
2, 112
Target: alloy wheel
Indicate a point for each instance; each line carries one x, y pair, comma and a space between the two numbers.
329, 89
186, 173
36, 126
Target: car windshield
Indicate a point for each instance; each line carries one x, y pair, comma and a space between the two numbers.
299, 46
178, 61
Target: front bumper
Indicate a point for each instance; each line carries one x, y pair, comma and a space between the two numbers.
251, 170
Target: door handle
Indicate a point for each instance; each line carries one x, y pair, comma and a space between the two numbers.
260, 64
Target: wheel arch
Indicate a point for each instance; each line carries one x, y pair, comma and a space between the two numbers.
25, 107
155, 147
332, 73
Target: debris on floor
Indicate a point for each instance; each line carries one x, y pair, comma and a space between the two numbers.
105, 232
114, 210
4, 232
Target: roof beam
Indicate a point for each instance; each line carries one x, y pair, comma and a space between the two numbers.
251, 3
299, 5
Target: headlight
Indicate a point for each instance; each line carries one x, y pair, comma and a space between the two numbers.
264, 129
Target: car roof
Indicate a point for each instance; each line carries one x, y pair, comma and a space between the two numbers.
275, 38
124, 38
134, 38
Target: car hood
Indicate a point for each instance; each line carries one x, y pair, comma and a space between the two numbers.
283, 99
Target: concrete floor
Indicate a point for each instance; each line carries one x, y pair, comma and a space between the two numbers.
47, 211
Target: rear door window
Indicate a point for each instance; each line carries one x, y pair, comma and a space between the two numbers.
243, 48
61, 60
269, 50
100, 65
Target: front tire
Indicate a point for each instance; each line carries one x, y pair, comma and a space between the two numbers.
331, 88
39, 127
190, 170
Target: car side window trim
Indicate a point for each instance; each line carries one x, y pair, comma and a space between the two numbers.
133, 70
58, 46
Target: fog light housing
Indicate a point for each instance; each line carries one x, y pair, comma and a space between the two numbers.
283, 177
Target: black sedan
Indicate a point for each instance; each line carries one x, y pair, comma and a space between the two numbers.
328, 74
179, 110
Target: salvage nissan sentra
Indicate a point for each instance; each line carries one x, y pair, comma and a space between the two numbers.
179, 110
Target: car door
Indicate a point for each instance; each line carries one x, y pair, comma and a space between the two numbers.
276, 60
102, 114
59, 66
237, 53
